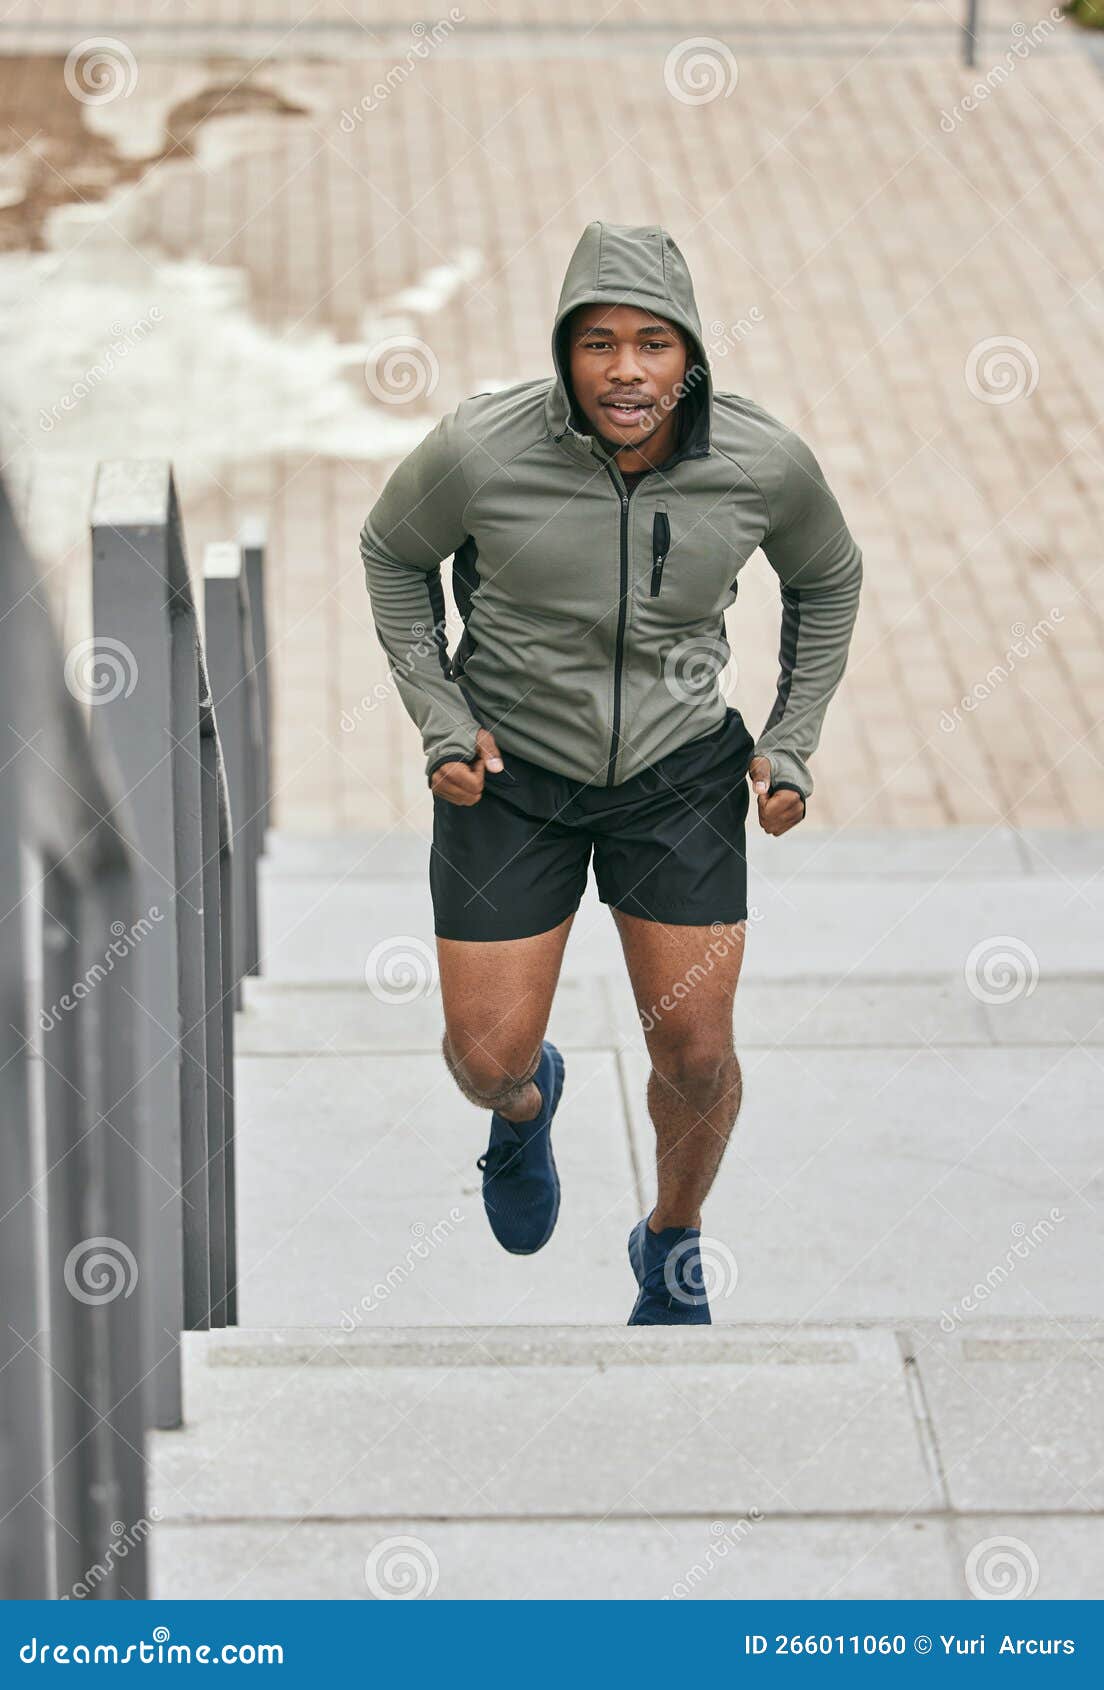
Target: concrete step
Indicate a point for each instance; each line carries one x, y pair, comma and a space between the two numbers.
551, 1422
359, 1197
857, 1183
762, 1460
801, 1558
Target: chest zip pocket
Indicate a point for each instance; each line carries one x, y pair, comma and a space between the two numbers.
661, 545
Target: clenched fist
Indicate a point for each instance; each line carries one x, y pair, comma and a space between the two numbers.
462, 783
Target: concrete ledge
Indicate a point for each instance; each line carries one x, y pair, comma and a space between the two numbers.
534, 1346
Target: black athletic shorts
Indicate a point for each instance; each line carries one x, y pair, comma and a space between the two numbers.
668, 843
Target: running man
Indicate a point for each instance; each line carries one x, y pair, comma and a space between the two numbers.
598, 522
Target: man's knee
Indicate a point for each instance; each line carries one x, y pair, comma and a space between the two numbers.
487, 1075
699, 1063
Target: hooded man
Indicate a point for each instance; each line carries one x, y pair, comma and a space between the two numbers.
599, 521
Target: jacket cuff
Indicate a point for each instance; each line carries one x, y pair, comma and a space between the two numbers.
456, 754
787, 770
787, 786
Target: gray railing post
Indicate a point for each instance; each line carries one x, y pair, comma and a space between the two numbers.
164, 735
218, 969
228, 627
74, 1243
253, 558
135, 580
970, 33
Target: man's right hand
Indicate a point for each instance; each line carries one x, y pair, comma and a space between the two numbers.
462, 783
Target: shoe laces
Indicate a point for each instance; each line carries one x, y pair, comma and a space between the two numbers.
499, 1155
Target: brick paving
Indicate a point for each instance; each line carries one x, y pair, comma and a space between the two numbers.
867, 247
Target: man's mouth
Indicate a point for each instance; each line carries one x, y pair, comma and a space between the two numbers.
628, 411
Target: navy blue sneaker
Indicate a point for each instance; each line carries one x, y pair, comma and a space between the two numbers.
668, 1270
521, 1188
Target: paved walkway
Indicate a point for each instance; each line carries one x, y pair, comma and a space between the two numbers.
230, 239
899, 1395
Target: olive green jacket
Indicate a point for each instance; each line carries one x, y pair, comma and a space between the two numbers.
594, 630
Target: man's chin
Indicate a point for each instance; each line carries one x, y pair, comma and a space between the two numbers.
636, 436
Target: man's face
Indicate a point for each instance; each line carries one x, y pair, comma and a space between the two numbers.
628, 367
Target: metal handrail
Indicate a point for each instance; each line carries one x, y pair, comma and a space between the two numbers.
235, 686
970, 27
127, 830
73, 1228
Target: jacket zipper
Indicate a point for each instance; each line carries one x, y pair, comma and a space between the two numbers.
661, 545
619, 648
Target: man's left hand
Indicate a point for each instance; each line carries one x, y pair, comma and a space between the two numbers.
777, 813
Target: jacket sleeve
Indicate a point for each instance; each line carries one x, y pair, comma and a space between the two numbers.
417, 520
819, 566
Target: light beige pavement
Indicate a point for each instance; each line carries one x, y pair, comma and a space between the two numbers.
233, 226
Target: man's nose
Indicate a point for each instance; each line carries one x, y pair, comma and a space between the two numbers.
624, 368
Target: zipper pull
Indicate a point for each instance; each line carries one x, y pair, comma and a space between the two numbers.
661, 545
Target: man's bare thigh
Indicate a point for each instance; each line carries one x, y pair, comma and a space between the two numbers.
684, 980
497, 994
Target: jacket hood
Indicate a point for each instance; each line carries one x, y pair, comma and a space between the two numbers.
623, 264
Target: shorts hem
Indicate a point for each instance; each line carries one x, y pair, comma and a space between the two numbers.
679, 915
544, 924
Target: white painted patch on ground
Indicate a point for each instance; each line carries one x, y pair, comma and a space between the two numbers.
163, 358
